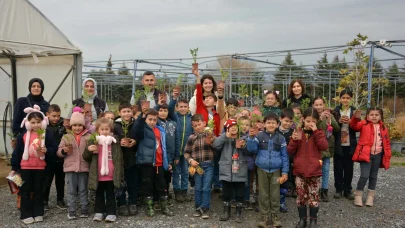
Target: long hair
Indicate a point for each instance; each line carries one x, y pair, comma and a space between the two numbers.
209, 77
290, 90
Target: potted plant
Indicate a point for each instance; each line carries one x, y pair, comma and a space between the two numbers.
86, 99
209, 131
125, 139
242, 93
396, 136
224, 76
68, 141
179, 80
147, 93
41, 138
194, 55
93, 139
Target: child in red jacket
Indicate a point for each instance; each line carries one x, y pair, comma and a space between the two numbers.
373, 151
306, 146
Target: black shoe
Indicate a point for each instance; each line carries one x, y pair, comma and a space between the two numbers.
337, 195
324, 195
179, 196
72, 215
205, 214
349, 195
186, 196
238, 218
123, 210
61, 205
217, 190
227, 212
247, 205
302, 212
46, 206
313, 217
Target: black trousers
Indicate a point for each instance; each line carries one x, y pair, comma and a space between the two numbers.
153, 181
54, 169
343, 170
168, 180
33, 181
105, 198
229, 188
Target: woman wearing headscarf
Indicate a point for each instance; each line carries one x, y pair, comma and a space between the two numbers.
36, 88
89, 101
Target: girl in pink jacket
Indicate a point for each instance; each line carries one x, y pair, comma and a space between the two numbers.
75, 167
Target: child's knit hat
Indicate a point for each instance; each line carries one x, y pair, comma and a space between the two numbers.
77, 117
28, 126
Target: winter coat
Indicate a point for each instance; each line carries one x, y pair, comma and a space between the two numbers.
57, 131
184, 128
366, 141
294, 100
128, 152
50, 154
201, 109
271, 152
308, 153
338, 136
144, 135
19, 114
322, 124
118, 162
74, 162
271, 109
225, 148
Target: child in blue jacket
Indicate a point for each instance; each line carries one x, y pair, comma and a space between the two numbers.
272, 162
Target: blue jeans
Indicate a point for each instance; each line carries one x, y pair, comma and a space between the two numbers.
247, 186
202, 195
217, 184
325, 172
131, 175
180, 175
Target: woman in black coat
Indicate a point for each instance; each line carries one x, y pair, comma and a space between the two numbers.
296, 94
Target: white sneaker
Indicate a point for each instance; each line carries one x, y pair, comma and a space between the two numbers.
39, 219
110, 218
29, 220
98, 217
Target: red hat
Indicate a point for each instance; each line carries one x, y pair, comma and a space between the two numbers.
229, 123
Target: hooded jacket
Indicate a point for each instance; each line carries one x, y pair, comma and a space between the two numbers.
57, 130
271, 109
75, 161
184, 128
128, 152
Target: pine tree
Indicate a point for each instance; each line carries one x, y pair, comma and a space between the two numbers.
283, 72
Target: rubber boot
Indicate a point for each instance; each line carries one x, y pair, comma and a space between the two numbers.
149, 203
239, 207
227, 212
370, 198
179, 197
186, 196
313, 217
324, 195
283, 203
358, 198
165, 208
302, 212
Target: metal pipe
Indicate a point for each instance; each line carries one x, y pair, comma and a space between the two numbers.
370, 76
230, 77
395, 96
61, 83
14, 78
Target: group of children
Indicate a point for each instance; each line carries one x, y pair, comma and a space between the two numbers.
116, 161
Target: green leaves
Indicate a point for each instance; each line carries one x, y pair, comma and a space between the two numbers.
194, 54
224, 74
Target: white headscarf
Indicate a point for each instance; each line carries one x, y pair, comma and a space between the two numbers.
91, 98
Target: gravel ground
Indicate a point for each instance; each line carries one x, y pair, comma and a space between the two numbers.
389, 210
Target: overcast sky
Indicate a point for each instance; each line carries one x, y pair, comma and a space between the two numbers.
145, 29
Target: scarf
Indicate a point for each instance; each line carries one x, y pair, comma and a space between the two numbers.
105, 141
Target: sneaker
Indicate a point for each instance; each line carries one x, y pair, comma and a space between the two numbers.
27, 221
39, 219
198, 212
123, 210
337, 195
349, 195
84, 214
61, 204
205, 214
72, 215
46, 206
156, 206
110, 218
233, 204
192, 191
98, 217
247, 205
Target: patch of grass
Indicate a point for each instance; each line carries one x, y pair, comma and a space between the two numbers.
396, 153
398, 164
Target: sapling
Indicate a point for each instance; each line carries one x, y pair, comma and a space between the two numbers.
41, 138
125, 131
179, 81
93, 139
194, 55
